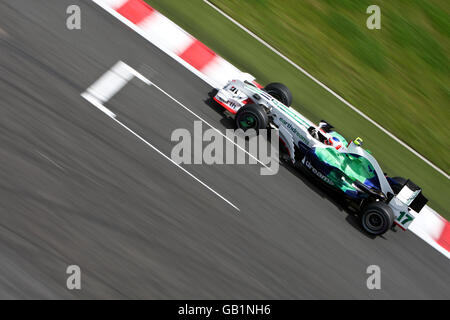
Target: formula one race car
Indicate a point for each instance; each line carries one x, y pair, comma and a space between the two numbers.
381, 202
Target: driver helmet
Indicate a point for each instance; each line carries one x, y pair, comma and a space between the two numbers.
335, 143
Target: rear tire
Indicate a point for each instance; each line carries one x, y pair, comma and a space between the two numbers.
280, 92
377, 218
252, 116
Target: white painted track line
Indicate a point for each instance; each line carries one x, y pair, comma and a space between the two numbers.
168, 158
329, 90
111, 82
96, 103
110, 114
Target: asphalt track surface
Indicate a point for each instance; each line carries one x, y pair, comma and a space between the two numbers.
76, 188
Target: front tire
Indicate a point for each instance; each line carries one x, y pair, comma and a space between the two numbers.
377, 218
280, 92
252, 116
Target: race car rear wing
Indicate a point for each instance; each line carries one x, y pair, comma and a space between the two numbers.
412, 196
407, 203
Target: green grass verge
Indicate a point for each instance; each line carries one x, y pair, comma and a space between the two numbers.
353, 80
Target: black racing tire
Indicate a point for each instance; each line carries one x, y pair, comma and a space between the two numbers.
280, 92
377, 218
399, 183
252, 116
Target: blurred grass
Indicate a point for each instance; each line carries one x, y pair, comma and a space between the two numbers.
397, 75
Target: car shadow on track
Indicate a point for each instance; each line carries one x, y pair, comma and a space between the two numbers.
323, 191
328, 194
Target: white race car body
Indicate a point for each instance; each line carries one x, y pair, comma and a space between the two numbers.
299, 134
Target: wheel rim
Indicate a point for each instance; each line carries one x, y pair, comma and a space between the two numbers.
374, 221
248, 122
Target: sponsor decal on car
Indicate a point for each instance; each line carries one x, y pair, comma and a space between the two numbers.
318, 173
295, 131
